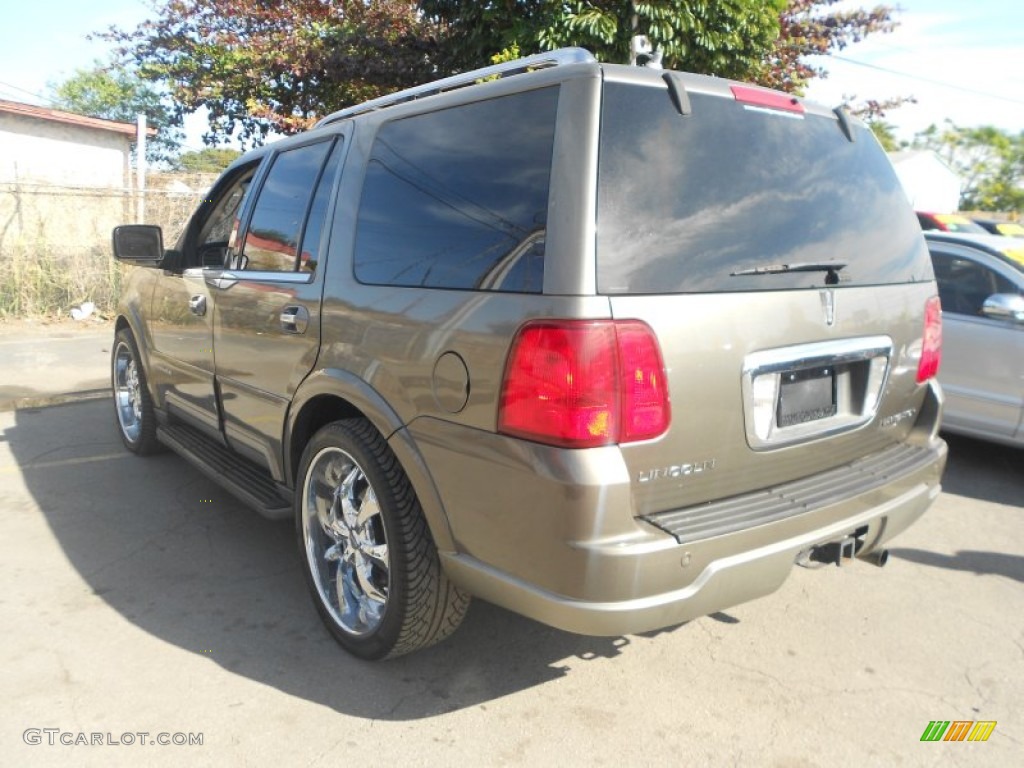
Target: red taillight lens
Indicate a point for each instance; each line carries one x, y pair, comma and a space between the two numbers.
581, 384
931, 343
645, 411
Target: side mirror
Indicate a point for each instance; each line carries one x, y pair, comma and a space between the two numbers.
140, 244
1008, 307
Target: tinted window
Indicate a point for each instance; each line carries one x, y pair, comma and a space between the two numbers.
459, 198
683, 202
310, 251
271, 243
217, 219
218, 226
964, 284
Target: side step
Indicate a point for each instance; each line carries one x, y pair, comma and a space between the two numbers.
243, 479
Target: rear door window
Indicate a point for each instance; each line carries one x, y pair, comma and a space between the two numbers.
685, 202
272, 239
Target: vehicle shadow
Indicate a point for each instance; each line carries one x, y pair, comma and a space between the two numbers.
971, 561
984, 471
181, 559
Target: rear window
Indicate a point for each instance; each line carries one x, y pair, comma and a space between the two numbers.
684, 202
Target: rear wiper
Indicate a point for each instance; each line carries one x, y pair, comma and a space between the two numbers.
831, 267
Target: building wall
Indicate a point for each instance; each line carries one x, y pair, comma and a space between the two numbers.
61, 185
929, 184
41, 151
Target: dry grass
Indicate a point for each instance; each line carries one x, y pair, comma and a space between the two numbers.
44, 278
44, 281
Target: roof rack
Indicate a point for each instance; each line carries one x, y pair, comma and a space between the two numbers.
557, 58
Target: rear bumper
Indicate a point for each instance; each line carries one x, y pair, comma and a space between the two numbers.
551, 534
723, 582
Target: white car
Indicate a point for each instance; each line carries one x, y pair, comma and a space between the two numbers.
981, 286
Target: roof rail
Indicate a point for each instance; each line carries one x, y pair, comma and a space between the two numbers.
556, 58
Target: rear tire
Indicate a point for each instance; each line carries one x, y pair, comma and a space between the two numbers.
370, 562
133, 404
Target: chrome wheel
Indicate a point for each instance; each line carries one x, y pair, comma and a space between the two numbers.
344, 540
127, 392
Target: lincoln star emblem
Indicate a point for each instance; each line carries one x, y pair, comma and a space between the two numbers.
828, 303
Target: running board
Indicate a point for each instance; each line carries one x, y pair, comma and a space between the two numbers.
240, 477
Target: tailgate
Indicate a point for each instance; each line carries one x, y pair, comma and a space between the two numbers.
764, 391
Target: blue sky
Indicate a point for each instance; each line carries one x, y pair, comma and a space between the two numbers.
960, 60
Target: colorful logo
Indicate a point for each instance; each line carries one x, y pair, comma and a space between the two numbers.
958, 730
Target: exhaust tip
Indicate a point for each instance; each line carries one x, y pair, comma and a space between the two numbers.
879, 557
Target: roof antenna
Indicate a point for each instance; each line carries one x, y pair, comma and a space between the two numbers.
642, 53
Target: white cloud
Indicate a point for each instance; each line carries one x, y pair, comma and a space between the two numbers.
959, 64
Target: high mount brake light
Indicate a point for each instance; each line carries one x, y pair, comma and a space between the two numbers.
584, 383
760, 97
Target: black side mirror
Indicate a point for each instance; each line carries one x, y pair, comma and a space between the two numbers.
140, 244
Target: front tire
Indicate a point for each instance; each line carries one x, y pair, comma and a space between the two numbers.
133, 404
370, 563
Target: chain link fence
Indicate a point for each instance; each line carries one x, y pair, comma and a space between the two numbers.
55, 251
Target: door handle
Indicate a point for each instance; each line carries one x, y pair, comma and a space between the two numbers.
294, 319
197, 305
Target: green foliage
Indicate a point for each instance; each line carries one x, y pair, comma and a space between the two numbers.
262, 65
990, 162
807, 28
729, 38
885, 133
259, 65
208, 160
115, 93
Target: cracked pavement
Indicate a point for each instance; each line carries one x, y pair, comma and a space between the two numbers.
139, 597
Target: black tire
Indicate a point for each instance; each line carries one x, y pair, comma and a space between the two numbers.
370, 562
133, 403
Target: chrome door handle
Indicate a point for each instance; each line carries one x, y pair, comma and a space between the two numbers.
294, 319
197, 305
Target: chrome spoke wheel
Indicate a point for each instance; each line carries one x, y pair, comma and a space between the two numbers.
127, 392
345, 543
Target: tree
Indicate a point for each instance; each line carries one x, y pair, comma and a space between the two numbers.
807, 30
262, 65
767, 42
258, 65
729, 38
115, 93
885, 133
208, 160
990, 162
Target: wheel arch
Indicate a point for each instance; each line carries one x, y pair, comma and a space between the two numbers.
332, 394
129, 318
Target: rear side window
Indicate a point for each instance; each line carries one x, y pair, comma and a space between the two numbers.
272, 241
684, 202
458, 198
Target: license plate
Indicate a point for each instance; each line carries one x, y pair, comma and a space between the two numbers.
806, 395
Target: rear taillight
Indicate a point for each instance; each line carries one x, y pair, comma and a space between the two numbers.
931, 342
584, 383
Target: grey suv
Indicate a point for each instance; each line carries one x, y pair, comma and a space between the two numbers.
611, 347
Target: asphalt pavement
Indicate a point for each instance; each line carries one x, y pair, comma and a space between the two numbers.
142, 604
50, 363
